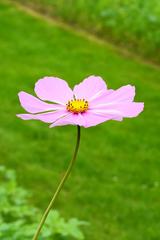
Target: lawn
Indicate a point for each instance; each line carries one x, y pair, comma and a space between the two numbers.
115, 183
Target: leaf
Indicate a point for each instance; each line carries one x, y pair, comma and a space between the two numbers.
19, 219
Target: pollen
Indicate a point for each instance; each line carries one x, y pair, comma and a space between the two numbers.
77, 105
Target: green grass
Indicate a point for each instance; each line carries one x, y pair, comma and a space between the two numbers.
115, 184
134, 24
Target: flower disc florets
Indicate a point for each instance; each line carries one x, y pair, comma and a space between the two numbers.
77, 105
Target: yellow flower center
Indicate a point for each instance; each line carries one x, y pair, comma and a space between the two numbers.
77, 105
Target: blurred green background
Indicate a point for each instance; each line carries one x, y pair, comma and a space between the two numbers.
116, 182
133, 24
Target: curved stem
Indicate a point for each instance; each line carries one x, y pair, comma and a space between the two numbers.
60, 186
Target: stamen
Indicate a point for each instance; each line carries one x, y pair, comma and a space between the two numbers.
77, 105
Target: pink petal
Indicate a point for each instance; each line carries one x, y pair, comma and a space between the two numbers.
126, 109
44, 117
70, 119
53, 89
90, 88
33, 105
92, 118
123, 94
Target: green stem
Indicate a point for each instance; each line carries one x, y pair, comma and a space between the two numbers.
60, 186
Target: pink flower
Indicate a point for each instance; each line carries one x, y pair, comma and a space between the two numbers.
88, 104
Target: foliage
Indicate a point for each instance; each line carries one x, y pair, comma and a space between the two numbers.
18, 219
134, 24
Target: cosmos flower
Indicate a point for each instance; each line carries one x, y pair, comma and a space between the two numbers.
88, 104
